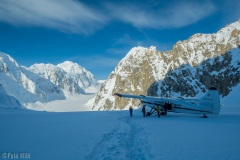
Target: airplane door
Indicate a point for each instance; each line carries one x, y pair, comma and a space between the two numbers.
168, 106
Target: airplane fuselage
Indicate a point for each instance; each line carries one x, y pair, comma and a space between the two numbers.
194, 106
208, 104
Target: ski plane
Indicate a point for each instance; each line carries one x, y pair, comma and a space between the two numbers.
209, 104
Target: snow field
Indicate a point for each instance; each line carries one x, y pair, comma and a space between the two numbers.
115, 135
52, 135
73, 103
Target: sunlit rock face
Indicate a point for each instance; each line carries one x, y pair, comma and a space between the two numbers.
188, 70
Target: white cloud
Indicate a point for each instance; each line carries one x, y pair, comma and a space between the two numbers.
177, 14
126, 39
65, 15
76, 17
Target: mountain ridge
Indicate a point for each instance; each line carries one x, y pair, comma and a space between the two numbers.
40, 82
79, 74
24, 85
143, 67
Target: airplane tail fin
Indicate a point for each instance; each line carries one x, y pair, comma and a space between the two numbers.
213, 96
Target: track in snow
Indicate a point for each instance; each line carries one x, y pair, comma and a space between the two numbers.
125, 141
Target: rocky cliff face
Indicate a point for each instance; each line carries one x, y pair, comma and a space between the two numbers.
187, 70
222, 72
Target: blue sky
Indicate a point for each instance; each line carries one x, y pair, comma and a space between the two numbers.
98, 34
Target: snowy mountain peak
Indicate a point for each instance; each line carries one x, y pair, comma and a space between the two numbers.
72, 68
43, 82
230, 27
25, 85
8, 64
137, 52
80, 75
58, 77
153, 48
186, 70
45, 70
7, 58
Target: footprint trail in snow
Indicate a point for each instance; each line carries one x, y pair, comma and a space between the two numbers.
125, 141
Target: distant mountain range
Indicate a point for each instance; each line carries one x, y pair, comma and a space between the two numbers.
42, 82
188, 70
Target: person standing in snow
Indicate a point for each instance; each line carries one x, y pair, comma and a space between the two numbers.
144, 110
131, 111
158, 111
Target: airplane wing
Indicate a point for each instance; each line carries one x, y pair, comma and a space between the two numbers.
129, 96
208, 104
145, 100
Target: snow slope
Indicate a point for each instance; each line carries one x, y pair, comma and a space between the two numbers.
70, 77
80, 75
70, 104
24, 85
7, 100
233, 98
58, 77
115, 135
47, 87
